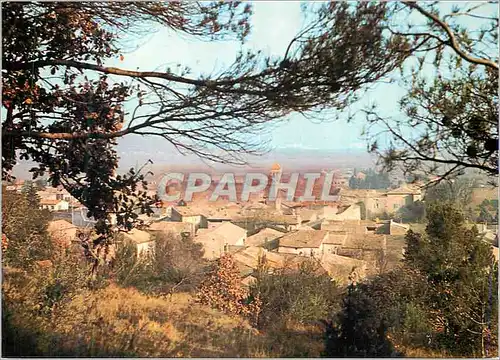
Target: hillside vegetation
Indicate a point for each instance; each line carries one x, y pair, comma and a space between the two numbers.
437, 300
115, 321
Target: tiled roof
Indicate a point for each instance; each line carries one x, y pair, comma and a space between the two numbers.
225, 231
60, 225
303, 239
336, 238
263, 235
404, 190
171, 226
366, 241
138, 236
190, 210
341, 267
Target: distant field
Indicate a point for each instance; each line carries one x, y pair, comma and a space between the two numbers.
480, 194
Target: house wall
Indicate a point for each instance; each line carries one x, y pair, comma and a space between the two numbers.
351, 213
199, 221
331, 248
375, 206
45, 195
397, 230
240, 241
395, 202
144, 248
316, 252
62, 206
329, 212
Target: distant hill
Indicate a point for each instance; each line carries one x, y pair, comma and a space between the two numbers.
135, 151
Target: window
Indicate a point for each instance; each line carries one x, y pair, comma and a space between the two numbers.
395, 206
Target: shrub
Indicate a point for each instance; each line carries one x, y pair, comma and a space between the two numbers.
301, 296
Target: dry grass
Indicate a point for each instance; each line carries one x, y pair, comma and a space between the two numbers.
115, 322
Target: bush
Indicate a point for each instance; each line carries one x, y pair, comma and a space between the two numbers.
222, 290
175, 264
25, 227
301, 296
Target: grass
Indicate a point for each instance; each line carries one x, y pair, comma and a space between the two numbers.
117, 322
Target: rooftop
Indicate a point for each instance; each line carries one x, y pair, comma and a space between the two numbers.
226, 231
366, 241
57, 225
303, 239
336, 238
138, 236
263, 235
171, 226
50, 202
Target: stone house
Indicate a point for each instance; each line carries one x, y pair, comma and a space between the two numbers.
303, 242
142, 240
349, 212
54, 205
391, 201
190, 215
334, 241
173, 227
400, 197
343, 269
218, 239
267, 238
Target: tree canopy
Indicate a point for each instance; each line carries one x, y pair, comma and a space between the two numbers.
448, 120
65, 107
442, 297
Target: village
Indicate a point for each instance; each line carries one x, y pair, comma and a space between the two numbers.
349, 239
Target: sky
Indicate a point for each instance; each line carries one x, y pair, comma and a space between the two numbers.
274, 24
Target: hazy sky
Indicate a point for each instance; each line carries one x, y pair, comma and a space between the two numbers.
274, 25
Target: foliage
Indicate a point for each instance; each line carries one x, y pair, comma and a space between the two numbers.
372, 313
178, 262
488, 211
356, 335
412, 213
25, 226
373, 180
130, 270
449, 112
458, 267
65, 108
302, 296
457, 191
222, 290
174, 265
117, 322
441, 299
